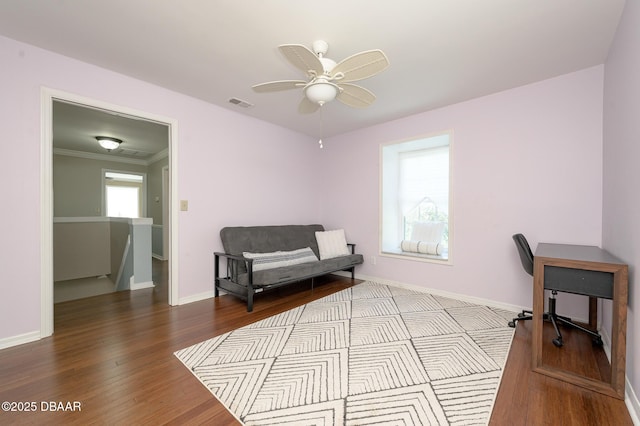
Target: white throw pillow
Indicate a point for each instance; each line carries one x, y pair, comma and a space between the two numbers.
277, 259
430, 232
332, 244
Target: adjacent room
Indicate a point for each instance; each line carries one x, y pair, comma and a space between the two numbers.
345, 212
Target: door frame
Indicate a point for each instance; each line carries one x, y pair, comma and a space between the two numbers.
48, 95
166, 203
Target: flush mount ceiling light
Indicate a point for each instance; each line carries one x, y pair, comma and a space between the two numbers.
108, 142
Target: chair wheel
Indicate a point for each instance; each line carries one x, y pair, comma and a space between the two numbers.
597, 341
512, 324
521, 315
557, 342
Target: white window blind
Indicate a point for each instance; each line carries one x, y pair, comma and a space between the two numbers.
424, 173
415, 192
124, 194
123, 201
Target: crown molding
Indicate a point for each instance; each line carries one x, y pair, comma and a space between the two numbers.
159, 156
103, 157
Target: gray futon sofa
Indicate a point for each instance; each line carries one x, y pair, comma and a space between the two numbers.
260, 258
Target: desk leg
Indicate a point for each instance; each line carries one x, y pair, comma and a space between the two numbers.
538, 313
593, 313
619, 331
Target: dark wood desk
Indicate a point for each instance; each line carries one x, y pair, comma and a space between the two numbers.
590, 271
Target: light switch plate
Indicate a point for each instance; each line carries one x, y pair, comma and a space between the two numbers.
184, 205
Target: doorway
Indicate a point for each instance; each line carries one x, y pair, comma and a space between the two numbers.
167, 181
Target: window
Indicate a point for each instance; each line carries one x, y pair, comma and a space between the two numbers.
416, 212
124, 194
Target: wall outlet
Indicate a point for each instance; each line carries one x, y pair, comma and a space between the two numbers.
372, 259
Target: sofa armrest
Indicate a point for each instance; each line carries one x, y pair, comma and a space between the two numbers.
353, 247
229, 283
230, 256
232, 266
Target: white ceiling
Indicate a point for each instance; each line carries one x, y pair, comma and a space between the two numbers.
75, 128
440, 51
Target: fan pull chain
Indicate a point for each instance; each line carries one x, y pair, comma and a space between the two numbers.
321, 127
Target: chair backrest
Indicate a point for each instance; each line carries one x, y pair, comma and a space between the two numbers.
526, 256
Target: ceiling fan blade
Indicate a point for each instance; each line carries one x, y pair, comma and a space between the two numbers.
307, 107
275, 86
302, 58
360, 66
355, 96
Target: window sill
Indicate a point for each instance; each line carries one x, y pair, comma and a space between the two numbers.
443, 259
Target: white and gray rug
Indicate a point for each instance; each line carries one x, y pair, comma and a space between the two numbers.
370, 354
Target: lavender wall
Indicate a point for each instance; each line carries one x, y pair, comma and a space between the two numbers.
232, 169
525, 160
621, 207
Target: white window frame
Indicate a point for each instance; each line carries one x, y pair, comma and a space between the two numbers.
391, 226
143, 189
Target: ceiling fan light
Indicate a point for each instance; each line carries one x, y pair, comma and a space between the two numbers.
321, 92
108, 142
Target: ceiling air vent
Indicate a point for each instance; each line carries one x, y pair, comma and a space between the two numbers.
240, 103
132, 152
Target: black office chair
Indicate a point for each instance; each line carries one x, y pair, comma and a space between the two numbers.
526, 257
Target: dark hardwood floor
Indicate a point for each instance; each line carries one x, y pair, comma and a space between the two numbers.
112, 356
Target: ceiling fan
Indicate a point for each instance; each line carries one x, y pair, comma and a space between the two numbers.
328, 80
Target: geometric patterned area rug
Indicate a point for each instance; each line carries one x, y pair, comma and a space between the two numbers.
370, 354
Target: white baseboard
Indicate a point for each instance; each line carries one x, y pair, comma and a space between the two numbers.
630, 397
139, 286
632, 402
20, 339
444, 293
197, 297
